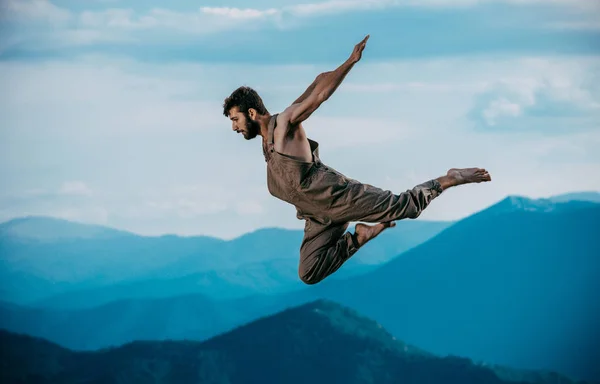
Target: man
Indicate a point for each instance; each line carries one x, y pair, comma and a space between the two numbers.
326, 199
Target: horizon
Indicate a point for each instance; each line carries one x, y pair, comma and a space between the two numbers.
113, 110
165, 234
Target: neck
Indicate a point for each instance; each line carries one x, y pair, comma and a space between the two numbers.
263, 121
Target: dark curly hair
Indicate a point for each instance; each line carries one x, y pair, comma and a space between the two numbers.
244, 98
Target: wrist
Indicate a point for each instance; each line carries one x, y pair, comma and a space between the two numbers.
347, 65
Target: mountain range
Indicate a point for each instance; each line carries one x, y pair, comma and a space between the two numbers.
320, 342
515, 284
56, 263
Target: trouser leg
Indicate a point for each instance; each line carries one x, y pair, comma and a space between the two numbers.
364, 202
324, 249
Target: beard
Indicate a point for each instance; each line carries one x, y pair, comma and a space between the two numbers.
252, 128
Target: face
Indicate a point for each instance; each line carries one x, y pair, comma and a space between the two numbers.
243, 123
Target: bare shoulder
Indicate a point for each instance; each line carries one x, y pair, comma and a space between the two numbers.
284, 127
283, 117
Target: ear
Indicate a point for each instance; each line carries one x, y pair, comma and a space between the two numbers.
252, 113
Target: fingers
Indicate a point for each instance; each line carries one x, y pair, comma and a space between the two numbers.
363, 42
361, 46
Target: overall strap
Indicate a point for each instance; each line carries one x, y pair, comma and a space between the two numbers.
270, 137
270, 134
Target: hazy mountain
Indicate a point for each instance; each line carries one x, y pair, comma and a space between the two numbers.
92, 262
591, 196
184, 317
268, 277
107, 265
320, 342
509, 285
41, 228
517, 284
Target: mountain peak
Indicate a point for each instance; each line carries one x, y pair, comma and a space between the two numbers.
515, 203
50, 228
528, 204
331, 318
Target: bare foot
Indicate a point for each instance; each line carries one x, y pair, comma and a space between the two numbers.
456, 176
364, 232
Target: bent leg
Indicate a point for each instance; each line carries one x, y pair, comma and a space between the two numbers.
324, 249
364, 202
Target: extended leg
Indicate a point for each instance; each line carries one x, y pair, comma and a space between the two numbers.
411, 203
364, 202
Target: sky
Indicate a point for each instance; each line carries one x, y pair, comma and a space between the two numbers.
112, 109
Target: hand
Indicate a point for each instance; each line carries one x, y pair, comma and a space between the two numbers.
358, 49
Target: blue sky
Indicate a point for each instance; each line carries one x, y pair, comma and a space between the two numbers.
112, 109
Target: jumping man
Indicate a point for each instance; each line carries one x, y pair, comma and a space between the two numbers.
326, 199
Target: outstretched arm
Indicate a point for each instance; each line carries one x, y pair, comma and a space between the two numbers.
322, 88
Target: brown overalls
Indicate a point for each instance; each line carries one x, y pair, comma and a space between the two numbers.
328, 201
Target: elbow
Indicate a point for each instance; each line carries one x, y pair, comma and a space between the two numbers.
323, 76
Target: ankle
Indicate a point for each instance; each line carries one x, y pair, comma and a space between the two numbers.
446, 182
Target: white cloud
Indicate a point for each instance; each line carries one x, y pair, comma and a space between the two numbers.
121, 24
237, 13
249, 208
36, 10
551, 92
500, 107
75, 188
106, 97
339, 6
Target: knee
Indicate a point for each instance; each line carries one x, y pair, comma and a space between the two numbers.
308, 279
414, 213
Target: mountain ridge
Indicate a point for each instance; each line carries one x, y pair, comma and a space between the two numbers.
265, 261
324, 340
432, 286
